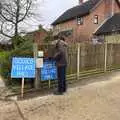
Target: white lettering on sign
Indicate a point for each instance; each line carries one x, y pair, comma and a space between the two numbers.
24, 61
23, 68
20, 73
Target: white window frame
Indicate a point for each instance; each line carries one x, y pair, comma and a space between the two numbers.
80, 20
95, 19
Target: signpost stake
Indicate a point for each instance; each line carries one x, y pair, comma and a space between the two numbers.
35, 48
78, 61
105, 58
49, 84
22, 88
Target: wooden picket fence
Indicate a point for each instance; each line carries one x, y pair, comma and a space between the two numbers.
85, 60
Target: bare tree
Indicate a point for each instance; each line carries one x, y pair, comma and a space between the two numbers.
12, 13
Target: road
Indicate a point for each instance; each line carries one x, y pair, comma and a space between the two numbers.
99, 100
1, 82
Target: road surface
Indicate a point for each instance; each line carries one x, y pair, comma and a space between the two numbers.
95, 101
1, 82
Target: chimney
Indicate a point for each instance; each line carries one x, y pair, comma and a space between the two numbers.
110, 7
81, 2
113, 7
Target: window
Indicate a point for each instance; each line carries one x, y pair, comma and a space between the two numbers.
79, 20
96, 19
98, 40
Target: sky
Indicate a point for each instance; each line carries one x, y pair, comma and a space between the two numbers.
52, 9
49, 10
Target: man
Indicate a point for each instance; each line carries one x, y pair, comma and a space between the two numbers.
61, 62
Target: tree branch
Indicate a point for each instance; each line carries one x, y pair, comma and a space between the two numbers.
9, 12
1, 32
27, 9
14, 12
5, 18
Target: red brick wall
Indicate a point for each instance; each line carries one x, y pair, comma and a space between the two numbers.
116, 8
101, 11
39, 36
84, 32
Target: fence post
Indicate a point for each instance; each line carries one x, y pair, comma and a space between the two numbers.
78, 60
105, 62
35, 48
111, 56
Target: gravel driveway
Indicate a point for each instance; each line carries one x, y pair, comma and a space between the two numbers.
95, 101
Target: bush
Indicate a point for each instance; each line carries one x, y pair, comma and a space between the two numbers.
25, 49
5, 64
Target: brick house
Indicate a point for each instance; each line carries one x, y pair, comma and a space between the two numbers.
38, 36
110, 30
81, 22
5, 45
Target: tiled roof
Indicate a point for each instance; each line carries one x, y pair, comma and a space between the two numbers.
80, 10
111, 25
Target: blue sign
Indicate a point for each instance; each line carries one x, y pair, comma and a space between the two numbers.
23, 68
49, 70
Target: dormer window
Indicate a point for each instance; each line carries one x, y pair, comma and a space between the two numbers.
79, 20
96, 19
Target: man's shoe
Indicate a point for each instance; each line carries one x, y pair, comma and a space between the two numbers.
64, 91
58, 93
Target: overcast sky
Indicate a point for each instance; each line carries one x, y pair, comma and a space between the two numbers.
54, 8
48, 11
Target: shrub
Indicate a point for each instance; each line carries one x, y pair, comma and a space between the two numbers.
25, 49
5, 64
